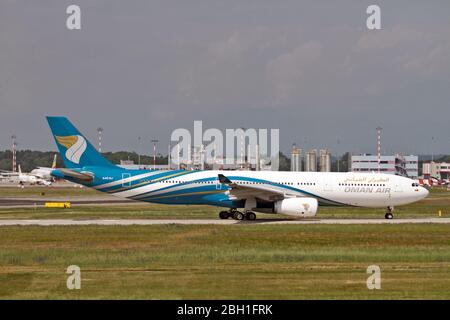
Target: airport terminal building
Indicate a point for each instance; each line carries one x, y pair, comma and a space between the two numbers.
393, 164
438, 170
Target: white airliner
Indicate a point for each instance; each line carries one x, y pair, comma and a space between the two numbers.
40, 175
298, 194
32, 179
45, 172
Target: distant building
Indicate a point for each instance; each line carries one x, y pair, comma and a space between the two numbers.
129, 164
395, 164
438, 170
198, 158
324, 161
412, 166
296, 159
311, 161
126, 163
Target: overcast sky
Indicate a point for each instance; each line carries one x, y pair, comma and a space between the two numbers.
310, 68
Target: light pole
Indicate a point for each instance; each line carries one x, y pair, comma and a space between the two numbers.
139, 152
379, 147
178, 156
14, 147
432, 149
242, 148
155, 141
169, 161
338, 158
100, 131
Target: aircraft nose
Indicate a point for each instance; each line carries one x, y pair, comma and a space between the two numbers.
424, 192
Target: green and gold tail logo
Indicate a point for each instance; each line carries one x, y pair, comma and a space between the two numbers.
75, 145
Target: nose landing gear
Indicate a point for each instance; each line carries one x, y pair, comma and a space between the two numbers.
389, 214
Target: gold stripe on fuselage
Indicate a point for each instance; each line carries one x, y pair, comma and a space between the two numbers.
146, 182
186, 194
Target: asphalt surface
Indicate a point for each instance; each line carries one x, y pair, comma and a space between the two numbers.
125, 222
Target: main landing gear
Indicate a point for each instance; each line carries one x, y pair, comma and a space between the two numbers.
389, 214
237, 215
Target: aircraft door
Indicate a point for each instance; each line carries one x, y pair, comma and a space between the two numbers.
327, 185
398, 187
124, 182
218, 184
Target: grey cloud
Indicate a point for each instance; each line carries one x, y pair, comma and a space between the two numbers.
310, 68
287, 73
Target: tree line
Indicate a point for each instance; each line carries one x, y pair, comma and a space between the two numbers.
29, 159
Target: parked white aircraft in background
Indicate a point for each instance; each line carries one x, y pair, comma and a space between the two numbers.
44, 172
32, 179
40, 175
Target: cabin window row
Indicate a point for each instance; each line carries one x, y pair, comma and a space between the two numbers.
245, 182
362, 184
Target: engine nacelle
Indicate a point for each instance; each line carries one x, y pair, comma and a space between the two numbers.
298, 207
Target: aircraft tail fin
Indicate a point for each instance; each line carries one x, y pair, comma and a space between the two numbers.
20, 169
75, 150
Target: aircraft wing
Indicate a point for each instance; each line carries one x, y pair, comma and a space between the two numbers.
33, 175
243, 191
5, 173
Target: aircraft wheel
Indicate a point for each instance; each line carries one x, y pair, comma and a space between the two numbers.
238, 215
223, 215
250, 216
389, 215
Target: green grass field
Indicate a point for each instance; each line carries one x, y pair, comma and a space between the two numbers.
235, 262
41, 191
224, 262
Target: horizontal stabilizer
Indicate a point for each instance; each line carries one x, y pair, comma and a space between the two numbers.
85, 177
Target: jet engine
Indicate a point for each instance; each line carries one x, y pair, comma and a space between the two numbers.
298, 207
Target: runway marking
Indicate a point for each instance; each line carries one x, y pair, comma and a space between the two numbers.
128, 222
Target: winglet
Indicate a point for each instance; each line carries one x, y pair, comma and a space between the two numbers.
224, 179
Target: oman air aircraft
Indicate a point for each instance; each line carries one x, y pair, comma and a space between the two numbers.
243, 193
